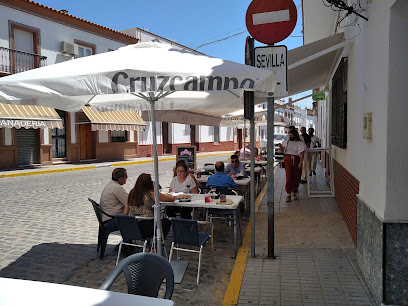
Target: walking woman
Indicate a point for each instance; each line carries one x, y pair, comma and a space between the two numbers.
294, 149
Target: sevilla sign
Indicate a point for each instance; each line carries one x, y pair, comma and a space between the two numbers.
270, 22
274, 58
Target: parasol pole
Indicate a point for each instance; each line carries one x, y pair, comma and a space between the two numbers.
157, 211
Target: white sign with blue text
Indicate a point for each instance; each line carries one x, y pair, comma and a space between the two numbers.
274, 58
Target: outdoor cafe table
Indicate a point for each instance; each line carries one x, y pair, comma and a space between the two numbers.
16, 292
198, 200
257, 162
242, 182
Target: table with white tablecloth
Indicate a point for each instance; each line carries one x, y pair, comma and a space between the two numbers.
18, 292
198, 200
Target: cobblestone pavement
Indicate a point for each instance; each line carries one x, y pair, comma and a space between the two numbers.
48, 228
315, 256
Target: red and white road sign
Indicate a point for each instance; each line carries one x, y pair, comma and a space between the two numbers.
270, 21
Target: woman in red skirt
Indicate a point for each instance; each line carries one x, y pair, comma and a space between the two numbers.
294, 149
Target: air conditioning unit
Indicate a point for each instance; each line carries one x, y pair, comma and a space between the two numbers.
69, 48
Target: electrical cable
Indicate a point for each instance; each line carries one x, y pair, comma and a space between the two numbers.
222, 39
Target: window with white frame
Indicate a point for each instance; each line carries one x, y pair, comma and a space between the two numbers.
84, 51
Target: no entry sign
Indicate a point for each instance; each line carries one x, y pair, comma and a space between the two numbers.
269, 21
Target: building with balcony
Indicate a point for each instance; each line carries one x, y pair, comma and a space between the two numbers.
32, 36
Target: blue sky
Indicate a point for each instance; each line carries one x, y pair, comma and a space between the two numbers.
190, 23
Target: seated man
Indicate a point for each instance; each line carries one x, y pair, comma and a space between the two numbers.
245, 152
114, 197
220, 179
235, 167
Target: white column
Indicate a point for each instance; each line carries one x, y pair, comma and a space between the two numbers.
132, 136
46, 136
72, 123
103, 136
8, 136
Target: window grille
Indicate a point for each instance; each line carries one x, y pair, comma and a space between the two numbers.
339, 105
119, 136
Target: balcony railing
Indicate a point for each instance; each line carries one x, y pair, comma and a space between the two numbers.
13, 61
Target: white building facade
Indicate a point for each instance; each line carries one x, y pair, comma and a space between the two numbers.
363, 119
31, 36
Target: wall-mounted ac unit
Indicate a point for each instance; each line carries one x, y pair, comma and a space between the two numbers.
69, 48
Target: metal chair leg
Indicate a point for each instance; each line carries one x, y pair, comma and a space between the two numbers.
120, 249
199, 264
212, 249
171, 251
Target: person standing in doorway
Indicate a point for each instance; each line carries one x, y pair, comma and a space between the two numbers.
312, 156
294, 149
306, 140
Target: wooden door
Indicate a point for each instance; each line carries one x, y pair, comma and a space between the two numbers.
165, 129
193, 137
86, 141
239, 138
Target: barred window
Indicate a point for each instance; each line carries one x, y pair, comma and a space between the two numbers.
119, 136
339, 105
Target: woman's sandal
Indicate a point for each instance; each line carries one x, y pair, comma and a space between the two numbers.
294, 196
288, 198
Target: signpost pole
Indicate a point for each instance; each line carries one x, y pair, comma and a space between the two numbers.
252, 173
249, 113
270, 22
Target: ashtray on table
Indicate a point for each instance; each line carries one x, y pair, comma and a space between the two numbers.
185, 198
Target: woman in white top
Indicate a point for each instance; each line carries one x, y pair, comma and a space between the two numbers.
294, 149
183, 182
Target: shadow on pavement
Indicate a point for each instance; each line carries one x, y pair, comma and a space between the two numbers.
51, 262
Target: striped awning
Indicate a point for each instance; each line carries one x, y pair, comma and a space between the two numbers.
115, 120
29, 117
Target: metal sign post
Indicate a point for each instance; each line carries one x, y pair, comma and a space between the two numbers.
271, 179
270, 22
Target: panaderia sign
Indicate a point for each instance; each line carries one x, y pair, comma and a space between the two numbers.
11, 123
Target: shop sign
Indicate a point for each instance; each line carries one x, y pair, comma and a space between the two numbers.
320, 96
10, 123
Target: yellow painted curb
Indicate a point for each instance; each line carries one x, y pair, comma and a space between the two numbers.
160, 159
140, 162
234, 286
46, 171
93, 167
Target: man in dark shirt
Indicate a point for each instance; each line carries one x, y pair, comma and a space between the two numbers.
307, 140
220, 179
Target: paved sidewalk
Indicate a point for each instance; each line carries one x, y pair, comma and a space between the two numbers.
315, 257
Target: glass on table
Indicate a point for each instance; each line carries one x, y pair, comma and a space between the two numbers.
213, 194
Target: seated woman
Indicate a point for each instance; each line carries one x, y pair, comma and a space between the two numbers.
258, 156
140, 203
182, 182
183, 162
